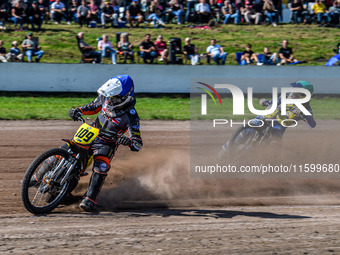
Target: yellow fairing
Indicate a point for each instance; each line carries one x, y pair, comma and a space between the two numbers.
276, 115
86, 134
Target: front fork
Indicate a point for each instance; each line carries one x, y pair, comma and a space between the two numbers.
70, 165
264, 136
57, 173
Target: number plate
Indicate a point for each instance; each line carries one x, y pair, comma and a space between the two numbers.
86, 134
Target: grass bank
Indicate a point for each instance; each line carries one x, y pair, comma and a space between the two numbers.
56, 108
310, 43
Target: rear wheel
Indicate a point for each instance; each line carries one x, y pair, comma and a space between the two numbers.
41, 190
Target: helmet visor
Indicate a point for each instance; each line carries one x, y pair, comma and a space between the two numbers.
111, 88
114, 100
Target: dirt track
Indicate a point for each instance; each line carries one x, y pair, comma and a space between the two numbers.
150, 205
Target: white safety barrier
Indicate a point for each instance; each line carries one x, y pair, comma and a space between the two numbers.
43, 77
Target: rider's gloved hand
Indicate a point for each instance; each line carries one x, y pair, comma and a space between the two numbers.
124, 140
74, 113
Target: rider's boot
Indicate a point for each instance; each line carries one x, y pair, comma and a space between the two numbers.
47, 166
89, 202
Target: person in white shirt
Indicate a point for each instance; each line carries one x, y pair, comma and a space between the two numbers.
203, 12
57, 11
106, 48
216, 52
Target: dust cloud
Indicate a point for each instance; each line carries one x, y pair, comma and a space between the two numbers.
164, 176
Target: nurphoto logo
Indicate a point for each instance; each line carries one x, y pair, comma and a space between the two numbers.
238, 99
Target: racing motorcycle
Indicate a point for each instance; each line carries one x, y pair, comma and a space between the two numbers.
55, 173
248, 138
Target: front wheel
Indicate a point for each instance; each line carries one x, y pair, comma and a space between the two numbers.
243, 141
41, 188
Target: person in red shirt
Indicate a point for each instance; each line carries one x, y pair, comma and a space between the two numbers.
94, 10
162, 49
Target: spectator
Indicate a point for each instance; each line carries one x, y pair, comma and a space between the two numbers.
5, 8
319, 10
155, 13
249, 56
111, 13
191, 10
14, 52
134, 13
105, 47
215, 9
230, 12
268, 57
147, 50
176, 10
72, 13
161, 6
126, 48
190, 52
216, 52
35, 16
32, 48
116, 10
297, 10
334, 12
270, 12
333, 60
162, 49
88, 50
44, 9
203, 12
57, 11
250, 14
94, 10
286, 54
83, 14
2, 52
278, 8
18, 14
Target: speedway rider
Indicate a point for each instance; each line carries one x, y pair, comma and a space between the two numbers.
115, 102
293, 113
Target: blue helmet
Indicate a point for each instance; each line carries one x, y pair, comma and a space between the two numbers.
117, 86
117, 95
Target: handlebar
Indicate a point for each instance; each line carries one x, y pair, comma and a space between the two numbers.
80, 118
102, 131
108, 133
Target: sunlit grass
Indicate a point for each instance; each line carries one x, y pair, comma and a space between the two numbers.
164, 108
311, 43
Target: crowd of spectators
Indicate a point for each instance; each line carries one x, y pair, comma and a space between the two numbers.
133, 12
149, 51
160, 50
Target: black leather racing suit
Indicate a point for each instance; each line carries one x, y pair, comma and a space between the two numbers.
104, 148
